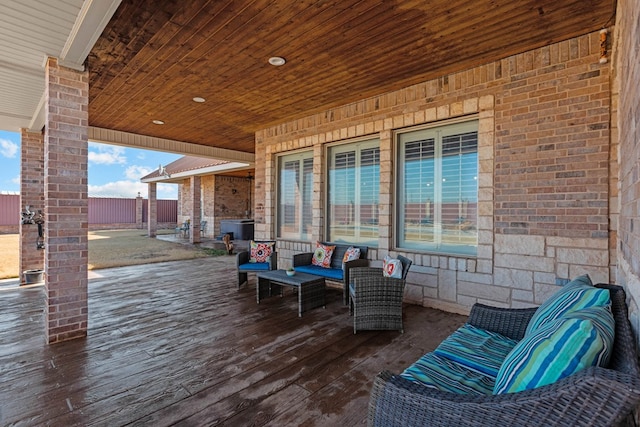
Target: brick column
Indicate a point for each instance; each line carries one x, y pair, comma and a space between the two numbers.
194, 189
32, 194
66, 206
139, 213
152, 214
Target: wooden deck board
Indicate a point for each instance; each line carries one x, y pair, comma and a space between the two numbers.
179, 344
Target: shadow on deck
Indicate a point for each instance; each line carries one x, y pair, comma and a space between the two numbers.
178, 343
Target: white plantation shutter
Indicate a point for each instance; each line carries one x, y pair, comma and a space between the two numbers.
295, 195
353, 192
438, 189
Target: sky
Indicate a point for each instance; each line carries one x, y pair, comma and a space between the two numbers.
114, 171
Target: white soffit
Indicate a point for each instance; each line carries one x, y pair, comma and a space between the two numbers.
127, 139
31, 30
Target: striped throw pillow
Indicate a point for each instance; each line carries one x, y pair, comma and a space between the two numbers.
575, 295
558, 349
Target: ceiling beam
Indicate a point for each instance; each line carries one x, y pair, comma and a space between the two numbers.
126, 139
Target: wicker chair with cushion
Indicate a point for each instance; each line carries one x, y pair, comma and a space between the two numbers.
261, 256
595, 396
375, 301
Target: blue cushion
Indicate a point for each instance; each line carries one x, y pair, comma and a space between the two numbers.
330, 273
476, 349
443, 374
558, 349
254, 266
576, 295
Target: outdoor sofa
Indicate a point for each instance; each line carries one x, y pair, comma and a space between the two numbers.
594, 396
337, 271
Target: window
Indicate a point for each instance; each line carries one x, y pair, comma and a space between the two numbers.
295, 188
438, 189
353, 192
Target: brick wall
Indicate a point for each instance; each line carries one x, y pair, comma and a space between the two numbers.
223, 197
544, 183
627, 90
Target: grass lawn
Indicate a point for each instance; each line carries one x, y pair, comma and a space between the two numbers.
109, 248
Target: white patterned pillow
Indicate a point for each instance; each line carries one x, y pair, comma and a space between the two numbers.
392, 267
351, 254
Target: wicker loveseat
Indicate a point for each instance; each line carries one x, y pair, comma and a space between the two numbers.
595, 396
337, 271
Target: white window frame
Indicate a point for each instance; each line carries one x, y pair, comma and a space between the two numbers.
301, 194
362, 233
436, 232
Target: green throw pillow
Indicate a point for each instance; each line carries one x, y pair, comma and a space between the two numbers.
575, 295
558, 349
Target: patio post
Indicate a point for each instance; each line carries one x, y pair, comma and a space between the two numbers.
152, 210
31, 194
65, 202
194, 188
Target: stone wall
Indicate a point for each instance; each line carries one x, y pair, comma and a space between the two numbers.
544, 182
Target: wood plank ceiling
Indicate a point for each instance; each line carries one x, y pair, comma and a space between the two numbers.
155, 56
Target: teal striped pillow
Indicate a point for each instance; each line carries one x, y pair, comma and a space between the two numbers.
575, 295
558, 349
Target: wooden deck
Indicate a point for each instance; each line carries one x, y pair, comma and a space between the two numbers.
177, 344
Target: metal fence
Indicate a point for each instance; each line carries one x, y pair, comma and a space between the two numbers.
101, 211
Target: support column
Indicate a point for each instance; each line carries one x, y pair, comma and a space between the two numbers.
66, 206
139, 211
194, 189
152, 214
32, 194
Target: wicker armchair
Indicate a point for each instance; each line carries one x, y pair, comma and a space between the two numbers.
375, 301
592, 397
243, 266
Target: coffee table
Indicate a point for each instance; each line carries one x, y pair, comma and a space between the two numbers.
310, 288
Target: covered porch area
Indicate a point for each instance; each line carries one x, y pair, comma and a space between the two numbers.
177, 344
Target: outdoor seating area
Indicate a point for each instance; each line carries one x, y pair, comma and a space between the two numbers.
557, 365
199, 353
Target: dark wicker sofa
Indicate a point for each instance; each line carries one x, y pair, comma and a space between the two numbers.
337, 272
592, 397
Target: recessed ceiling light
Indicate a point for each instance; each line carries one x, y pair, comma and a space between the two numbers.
277, 61
198, 99
158, 122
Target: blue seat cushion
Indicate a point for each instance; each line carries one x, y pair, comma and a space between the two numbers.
254, 266
443, 374
330, 273
476, 349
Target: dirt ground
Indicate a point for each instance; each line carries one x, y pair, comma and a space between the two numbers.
110, 248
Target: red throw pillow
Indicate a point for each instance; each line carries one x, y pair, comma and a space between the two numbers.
261, 252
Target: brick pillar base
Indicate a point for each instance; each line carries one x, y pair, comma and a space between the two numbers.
32, 194
66, 206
